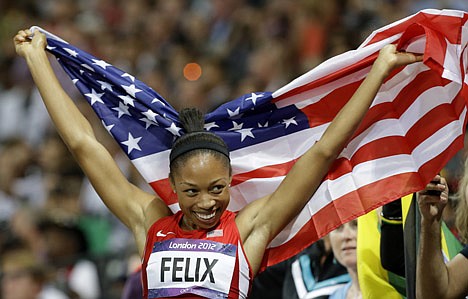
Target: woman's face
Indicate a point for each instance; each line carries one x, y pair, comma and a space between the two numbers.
343, 242
202, 187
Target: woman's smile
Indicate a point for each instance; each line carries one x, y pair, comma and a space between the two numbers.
205, 216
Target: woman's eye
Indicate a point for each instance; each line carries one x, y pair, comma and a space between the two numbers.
217, 189
190, 192
339, 228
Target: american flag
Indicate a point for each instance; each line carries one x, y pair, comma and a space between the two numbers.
414, 126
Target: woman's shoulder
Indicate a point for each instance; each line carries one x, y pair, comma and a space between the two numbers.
341, 292
169, 220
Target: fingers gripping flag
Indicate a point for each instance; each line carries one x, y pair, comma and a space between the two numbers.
414, 126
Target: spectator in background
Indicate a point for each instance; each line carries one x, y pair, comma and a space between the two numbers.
66, 251
315, 273
24, 226
15, 157
312, 274
434, 278
24, 276
344, 242
461, 219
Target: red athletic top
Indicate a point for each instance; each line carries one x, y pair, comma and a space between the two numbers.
195, 264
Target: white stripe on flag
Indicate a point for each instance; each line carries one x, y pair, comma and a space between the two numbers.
452, 63
153, 167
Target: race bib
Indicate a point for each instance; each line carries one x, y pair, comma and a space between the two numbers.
180, 266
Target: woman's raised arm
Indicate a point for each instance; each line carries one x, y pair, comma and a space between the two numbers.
124, 199
269, 215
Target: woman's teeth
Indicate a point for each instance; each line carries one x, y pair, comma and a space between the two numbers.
206, 216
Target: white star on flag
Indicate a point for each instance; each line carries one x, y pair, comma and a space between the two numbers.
156, 100
105, 85
128, 100
132, 143
233, 113
94, 97
174, 129
254, 97
84, 65
150, 115
210, 125
289, 121
236, 126
129, 76
101, 63
71, 52
122, 109
246, 132
148, 122
132, 90
108, 127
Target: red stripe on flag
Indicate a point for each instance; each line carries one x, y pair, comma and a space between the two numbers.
164, 190
436, 47
269, 171
328, 107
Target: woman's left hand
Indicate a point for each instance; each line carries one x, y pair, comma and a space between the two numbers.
390, 58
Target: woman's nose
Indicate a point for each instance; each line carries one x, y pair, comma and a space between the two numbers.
206, 202
349, 232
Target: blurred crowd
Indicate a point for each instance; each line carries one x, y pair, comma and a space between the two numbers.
50, 217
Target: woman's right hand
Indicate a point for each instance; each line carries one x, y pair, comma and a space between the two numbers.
24, 45
431, 205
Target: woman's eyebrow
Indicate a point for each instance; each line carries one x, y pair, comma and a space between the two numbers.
211, 183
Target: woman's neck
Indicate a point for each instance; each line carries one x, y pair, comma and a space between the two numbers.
354, 291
